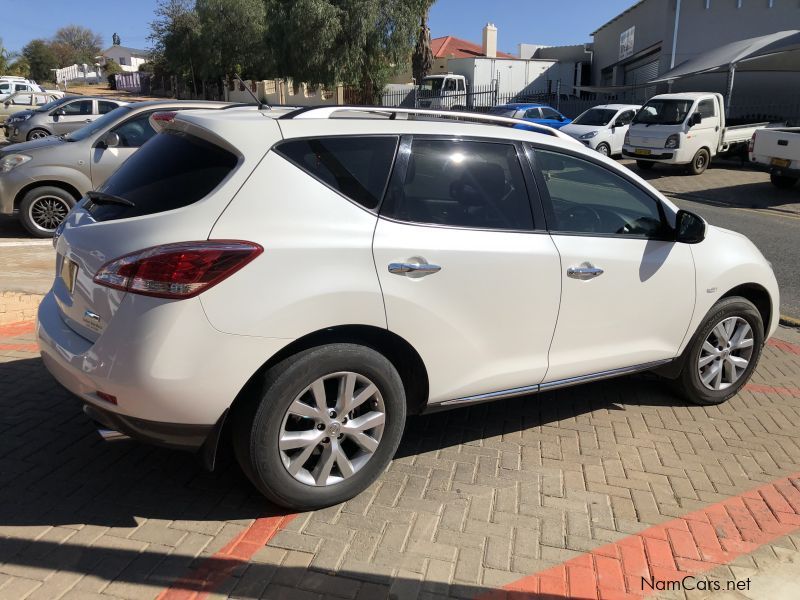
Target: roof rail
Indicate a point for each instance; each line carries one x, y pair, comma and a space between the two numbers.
326, 112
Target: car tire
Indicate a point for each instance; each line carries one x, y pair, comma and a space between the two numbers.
604, 149
700, 162
36, 134
699, 363
43, 209
644, 165
284, 409
783, 182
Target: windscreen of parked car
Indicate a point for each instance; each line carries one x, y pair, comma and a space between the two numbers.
173, 170
502, 111
663, 112
53, 103
596, 116
98, 125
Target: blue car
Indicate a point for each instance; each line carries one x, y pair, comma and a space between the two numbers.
541, 114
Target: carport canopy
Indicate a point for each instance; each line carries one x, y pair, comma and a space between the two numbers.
778, 51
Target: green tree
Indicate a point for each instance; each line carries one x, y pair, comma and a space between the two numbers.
175, 37
231, 38
75, 44
41, 59
5, 58
19, 67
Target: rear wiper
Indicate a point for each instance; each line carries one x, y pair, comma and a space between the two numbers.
103, 198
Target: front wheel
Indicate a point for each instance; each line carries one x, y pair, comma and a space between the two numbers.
43, 209
604, 149
783, 182
700, 162
37, 134
723, 353
325, 425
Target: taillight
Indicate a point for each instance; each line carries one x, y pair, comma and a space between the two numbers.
181, 270
161, 119
752, 143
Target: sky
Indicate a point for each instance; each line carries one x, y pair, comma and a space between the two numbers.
547, 22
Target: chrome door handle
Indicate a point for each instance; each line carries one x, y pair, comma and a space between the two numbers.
413, 269
584, 272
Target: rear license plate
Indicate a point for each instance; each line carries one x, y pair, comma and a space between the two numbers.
780, 162
642, 151
69, 271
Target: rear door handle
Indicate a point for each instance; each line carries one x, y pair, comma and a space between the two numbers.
584, 272
413, 269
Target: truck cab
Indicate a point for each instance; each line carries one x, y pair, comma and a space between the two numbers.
443, 91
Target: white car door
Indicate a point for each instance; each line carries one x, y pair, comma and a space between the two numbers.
706, 133
619, 128
469, 277
627, 289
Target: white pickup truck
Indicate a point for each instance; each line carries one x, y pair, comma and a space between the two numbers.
778, 151
683, 129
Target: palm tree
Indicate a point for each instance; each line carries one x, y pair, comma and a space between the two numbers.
422, 58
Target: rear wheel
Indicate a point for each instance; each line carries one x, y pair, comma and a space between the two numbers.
700, 162
43, 209
783, 182
36, 134
723, 352
604, 149
644, 165
326, 424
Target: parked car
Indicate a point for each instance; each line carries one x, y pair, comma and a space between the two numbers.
683, 129
10, 84
540, 114
23, 101
71, 113
603, 127
777, 150
42, 179
309, 281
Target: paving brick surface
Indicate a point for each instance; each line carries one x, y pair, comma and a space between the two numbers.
475, 499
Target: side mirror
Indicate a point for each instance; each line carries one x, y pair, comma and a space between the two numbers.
562, 118
109, 140
60, 113
7, 103
689, 228
696, 119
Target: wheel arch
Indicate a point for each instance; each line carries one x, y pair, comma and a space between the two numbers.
397, 350
69, 188
759, 296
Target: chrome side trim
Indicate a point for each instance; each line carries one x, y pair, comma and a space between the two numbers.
561, 383
545, 387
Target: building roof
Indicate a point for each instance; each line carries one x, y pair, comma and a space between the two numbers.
452, 47
624, 12
131, 51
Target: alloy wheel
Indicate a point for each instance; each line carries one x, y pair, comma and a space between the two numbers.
726, 353
38, 134
332, 428
47, 212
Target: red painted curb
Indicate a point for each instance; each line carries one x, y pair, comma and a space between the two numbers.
213, 571
688, 546
771, 389
27, 347
785, 346
15, 329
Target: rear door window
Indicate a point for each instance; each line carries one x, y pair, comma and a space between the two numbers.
356, 167
172, 171
104, 106
81, 107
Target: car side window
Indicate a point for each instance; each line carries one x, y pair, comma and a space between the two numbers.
135, 132
461, 87
104, 106
532, 113
707, 108
450, 85
588, 198
624, 119
80, 107
356, 167
461, 184
549, 113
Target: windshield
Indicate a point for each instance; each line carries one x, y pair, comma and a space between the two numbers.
596, 116
664, 112
433, 84
503, 111
53, 104
97, 126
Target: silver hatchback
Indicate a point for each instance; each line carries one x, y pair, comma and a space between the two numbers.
59, 117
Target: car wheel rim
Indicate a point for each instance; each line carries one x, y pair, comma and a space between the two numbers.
36, 135
47, 212
332, 429
603, 150
726, 353
700, 162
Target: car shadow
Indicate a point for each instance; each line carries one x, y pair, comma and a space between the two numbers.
10, 227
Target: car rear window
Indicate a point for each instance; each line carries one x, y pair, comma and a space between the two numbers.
356, 167
172, 170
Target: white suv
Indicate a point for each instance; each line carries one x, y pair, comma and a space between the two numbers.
305, 282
